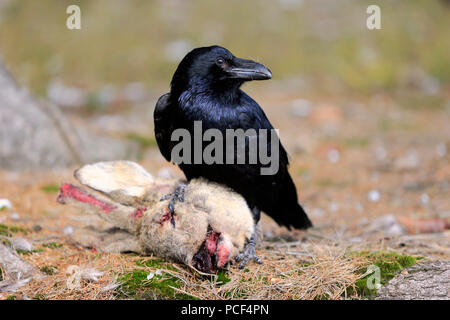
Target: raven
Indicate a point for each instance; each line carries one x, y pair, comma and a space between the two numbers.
206, 87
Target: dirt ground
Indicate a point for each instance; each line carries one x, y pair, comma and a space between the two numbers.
365, 169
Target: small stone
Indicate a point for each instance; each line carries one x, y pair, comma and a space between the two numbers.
150, 276
15, 216
275, 280
373, 195
380, 153
37, 228
317, 212
21, 244
68, 230
441, 150
333, 207
333, 156
409, 161
5, 203
388, 225
424, 198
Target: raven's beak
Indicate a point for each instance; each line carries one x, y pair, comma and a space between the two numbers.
248, 70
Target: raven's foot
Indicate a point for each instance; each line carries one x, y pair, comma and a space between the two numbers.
177, 195
248, 254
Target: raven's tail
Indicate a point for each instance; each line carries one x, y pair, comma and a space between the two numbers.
286, 210
298, 218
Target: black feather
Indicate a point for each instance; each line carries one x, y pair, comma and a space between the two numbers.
203, 90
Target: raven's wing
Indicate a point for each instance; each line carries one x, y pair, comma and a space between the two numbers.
276, 194
254, 117
162, 120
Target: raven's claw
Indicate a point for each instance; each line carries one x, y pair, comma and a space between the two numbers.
248, 254
177, 195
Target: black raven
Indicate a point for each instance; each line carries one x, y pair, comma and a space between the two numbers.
206, 88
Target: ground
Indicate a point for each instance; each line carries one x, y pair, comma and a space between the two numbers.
366, 168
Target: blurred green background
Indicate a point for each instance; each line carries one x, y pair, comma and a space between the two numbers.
325, 42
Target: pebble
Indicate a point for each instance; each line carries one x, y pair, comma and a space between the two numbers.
333, 156
333, 207
15, 216
388, 225
21, 244
68, 230
380, 153
5, 203
424, 198
317, 212
373, 195
441, 150
409, 161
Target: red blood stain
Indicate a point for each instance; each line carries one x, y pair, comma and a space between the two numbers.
222, 254
168, 216
70, 191
138, 212
211, 242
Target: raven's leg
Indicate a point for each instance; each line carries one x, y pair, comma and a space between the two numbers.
177, 195
249, 252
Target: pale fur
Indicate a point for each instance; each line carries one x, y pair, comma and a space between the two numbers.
206, 204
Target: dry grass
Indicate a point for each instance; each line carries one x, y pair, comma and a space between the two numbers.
286, 274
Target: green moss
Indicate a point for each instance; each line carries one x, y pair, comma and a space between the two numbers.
49, 270
11, 297
136, 285
8, 231
40, 297
26, 253
50, 188
52, 245
4, 230
222, 277
390, 263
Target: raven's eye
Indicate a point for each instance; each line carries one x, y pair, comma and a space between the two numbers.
220, 61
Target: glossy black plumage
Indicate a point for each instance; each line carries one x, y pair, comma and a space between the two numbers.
206, 87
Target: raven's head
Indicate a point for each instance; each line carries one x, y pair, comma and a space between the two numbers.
216, 66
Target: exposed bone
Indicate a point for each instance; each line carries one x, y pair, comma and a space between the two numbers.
208, 229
